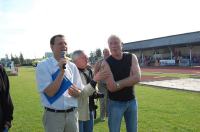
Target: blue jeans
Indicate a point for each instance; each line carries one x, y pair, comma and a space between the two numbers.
118, 109
87, 126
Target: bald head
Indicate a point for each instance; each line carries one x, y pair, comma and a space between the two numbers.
115, 45
114, 37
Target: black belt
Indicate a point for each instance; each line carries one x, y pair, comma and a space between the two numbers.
61, 111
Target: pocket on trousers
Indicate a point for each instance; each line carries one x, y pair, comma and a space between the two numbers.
76, 115
44, 119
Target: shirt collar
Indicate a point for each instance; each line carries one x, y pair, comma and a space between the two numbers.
54, 61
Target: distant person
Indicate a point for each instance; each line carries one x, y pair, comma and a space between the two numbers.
62, 115
102, 86
87, 106
6, 106
125, 74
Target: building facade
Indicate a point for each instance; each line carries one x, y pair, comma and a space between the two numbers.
181, 49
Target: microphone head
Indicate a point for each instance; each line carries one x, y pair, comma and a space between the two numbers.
63, 54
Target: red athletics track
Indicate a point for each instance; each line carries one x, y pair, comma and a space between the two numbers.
184, 70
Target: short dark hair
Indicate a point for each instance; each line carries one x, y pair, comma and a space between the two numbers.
53, 38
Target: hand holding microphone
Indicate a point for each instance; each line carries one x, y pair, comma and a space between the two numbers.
63, 60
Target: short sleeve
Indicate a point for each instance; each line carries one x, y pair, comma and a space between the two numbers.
43, 77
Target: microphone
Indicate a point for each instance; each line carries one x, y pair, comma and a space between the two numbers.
63, 55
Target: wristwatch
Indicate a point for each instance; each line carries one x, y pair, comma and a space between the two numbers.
117, 85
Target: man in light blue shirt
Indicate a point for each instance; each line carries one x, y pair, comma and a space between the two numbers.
61, 115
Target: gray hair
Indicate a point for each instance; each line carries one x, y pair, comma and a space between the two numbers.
76, 54
114, 37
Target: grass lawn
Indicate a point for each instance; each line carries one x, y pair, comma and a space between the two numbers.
160, 110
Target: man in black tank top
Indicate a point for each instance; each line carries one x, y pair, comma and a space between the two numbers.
125, 74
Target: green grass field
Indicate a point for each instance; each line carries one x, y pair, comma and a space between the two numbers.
160, 110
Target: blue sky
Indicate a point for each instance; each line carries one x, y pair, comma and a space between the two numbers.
27, 25
11, 11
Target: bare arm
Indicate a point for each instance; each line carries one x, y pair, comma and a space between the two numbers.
55, 85
89, 89
110, 82
85, 92
135, 76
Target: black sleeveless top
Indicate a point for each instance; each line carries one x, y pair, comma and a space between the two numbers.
120, 70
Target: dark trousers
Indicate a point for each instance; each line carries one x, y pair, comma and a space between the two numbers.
1, 119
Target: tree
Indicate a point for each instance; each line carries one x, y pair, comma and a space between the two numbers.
12, 58
6, 57
21, 58
16, 60
68, 55
95, 56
